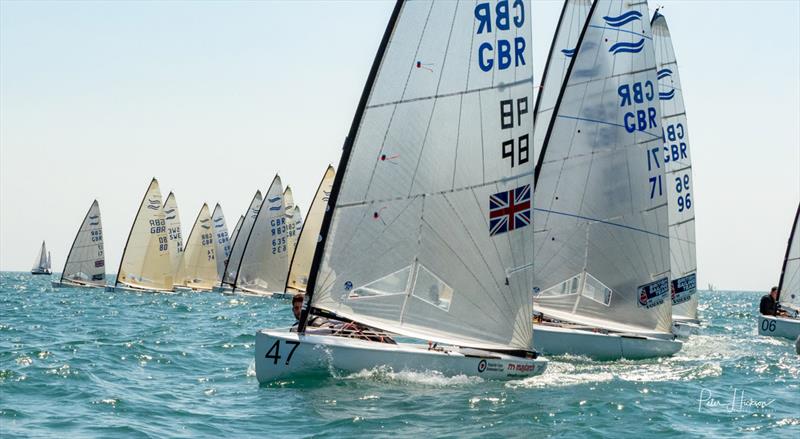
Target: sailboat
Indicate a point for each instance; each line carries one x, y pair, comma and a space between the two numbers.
294, 220
235, 232
262, 271
241, 232
86, 262
787, 326
172, 220
415, 241
301, 258
680, 186
198, 266
145, 265
42, 263
600, 209
222, 242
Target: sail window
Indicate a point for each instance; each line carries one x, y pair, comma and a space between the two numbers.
430, 289
391, 284
595, 290
568, 287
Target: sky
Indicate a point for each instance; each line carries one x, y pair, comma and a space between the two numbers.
213, 98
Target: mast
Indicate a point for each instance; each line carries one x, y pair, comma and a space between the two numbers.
788, 250
343, 162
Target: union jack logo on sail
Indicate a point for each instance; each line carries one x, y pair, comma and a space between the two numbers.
509, 210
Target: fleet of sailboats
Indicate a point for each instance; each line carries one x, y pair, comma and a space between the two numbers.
469, 229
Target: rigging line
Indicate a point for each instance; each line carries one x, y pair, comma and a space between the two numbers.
673, 171
624, 226
502, 86
669, 116
682, 222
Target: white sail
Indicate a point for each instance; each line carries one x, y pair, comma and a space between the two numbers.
602, 244
292, 220
235, 233
562, 49
173, 221
301, 259
430, 232
679, 183
222, 242
86, 262
240, 240
789, 285
40, 263
198, 266
265, 262
145, 261
49, 262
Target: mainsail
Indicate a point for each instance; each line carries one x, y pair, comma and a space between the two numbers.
679, 184
562, 49
198, 266
264, 262
222, 246
429, 233
300, 261
240, 240
789, 286
86, 263
40, 263
602, 243
235, 233
145, 261
292, 220
173, 223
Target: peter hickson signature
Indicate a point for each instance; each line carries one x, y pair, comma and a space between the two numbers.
737, 403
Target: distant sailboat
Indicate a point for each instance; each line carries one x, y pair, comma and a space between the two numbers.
264, 263
788, 291
172, 219
42, 265
235, 232
241, 232
294, 221
145, 264
598, 293
86, 264
412, 243
198, 267
300, 260
679, 183
221, 240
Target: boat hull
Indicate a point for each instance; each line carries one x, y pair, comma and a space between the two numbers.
59, 284
778, 327
276, 295
555, 340
685, 328
281, 354
121, 289
41, 273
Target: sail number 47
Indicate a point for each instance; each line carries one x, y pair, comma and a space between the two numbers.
275, 351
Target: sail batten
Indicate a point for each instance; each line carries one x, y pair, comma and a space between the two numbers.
430, 209
602, 241
85, 262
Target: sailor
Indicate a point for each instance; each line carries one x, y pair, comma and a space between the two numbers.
297, 308
769, 303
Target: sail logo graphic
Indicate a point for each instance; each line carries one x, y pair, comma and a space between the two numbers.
94, 224
664, 73
498, 51
569, 53
153, 204
623, 19
509, 210
276, 202
626, 47
326, 195
653, 294
171, 217
683, 288
666, 95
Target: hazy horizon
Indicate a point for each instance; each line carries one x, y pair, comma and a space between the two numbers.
214, 99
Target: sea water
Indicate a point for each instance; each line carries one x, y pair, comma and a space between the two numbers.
88, 363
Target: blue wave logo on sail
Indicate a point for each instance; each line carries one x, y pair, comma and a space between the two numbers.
169, 211
569, 53
623, 19
625, 47
94, 217
274, 200
94, 224
171, 217
663, 73
205, 226
666, 95
204, 220
218, 220
153, 204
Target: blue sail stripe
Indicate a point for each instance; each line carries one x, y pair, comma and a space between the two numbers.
663, 73
569, 53
666, 95
272, 200
626, 47
623, 19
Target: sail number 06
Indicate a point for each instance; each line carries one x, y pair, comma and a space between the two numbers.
768, 325
275, 351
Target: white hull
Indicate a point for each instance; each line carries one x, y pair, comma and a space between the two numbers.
277, 295
685, 328
121, 289
280, 354
223, 290
779, 327
68, 284
555, 340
